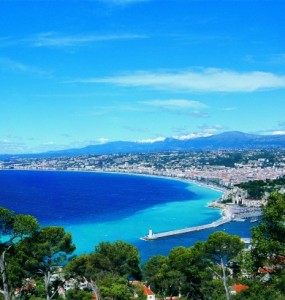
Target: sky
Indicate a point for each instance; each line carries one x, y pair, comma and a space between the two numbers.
81, 72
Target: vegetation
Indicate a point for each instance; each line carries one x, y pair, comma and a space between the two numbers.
207, 270
15, 228
43, 252
257, 189
118, 258
221, 248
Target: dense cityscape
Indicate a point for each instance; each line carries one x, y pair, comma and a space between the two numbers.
222, 168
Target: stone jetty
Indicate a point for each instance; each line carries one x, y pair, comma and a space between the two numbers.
155, 236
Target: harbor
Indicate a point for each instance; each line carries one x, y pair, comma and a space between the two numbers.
230, 213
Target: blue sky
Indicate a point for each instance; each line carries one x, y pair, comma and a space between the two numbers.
74, 73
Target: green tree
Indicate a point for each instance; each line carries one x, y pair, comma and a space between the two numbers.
115, 287
268, 238
184, 271
154, 271
78, 295
78, 266
14, 228
116, 258
261, 291
192, 266
110, 265
220, 248
44, 251
212, 289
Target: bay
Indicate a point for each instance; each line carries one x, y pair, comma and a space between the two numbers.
97, 207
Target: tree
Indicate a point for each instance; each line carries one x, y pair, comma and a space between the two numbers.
261, 291
111, 265
220, 248
184, 271
114, 287
116, 258
191, 264
268, 238
154, 271
14, 228
78, 266
78, 295
44, 251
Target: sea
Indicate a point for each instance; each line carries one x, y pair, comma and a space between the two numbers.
106, 207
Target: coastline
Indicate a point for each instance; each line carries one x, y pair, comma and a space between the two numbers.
224, 211
175, 219
199, 183
84, 236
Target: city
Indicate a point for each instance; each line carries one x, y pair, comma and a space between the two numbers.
220, 168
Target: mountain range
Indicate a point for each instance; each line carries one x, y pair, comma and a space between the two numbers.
233, 140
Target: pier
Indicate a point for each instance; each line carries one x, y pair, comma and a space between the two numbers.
155, 236
231, 213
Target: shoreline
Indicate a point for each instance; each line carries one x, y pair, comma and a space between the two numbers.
212, 204
227, 213
196, 182
212, 186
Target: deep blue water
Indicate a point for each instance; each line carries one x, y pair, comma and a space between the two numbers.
107, 207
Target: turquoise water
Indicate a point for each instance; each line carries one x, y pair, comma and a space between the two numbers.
97, 207
162, 217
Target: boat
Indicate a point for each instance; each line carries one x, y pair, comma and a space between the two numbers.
252, 220
239, 220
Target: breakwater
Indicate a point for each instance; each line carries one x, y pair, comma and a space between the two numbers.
231, 213
154, 236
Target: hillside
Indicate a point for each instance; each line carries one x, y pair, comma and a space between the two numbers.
225, 141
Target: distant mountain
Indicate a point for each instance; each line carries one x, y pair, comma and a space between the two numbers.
225, 141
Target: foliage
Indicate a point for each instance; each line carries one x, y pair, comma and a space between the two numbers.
115, 287
78, 266
182, 272
191, 264
78, 295
220, 248
213, 289
13, 228
153, 272
258, 188
268, 238
43, 252
110, 265
264, 291
200, 272
119, 257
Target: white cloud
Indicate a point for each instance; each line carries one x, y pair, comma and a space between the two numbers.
278, 132
201, 80
102, 141
158, 139
198, 114
53, 40
204, 133
175, 104
10, 65
195, 135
